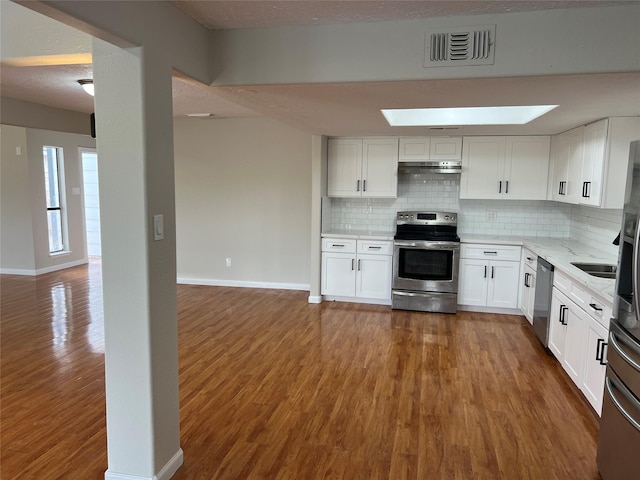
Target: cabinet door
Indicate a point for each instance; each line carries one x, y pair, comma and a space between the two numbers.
503, 284
575, 344
380, 168
373, 278
414, 149
338, 274
445, 148
575, 139
482, 167
528, 292
557, 328
344, 167
472, 284
526, 167
595, 139
595, 364
559, 169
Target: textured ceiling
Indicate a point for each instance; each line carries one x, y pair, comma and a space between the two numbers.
228, 14
331, 109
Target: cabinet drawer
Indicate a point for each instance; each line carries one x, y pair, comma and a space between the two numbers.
600, 311
529, 258
345, 245
488, 252
373, 247
578, 294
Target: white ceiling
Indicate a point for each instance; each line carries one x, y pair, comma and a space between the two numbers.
331, 109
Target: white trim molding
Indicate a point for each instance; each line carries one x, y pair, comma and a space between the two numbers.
17, 271
371, 301
241, 283
165, 473
40, 271
315, 299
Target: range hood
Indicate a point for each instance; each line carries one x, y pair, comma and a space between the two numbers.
434, 166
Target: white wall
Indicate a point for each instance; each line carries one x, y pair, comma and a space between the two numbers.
243, 191
16, 231
25, 242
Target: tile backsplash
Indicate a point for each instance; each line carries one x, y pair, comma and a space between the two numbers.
440, 192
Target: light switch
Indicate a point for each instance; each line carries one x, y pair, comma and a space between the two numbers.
158, 227
18, 151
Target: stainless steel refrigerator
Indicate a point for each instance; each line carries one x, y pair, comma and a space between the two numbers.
619, 438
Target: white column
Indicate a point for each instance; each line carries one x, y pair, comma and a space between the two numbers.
134, 128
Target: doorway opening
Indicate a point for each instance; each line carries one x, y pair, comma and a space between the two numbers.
91, 202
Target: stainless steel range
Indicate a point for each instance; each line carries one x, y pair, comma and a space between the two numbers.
425, 262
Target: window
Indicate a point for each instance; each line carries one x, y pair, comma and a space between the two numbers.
55, 218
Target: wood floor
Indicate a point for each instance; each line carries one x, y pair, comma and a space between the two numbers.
274, 388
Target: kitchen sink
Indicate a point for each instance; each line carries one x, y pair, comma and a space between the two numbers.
597, 269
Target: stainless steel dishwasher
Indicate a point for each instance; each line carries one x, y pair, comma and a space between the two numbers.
542, 302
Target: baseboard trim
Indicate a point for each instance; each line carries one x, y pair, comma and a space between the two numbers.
315, 299
503, 311
371, 301
242, 284
40, 271
17, 271
165, 473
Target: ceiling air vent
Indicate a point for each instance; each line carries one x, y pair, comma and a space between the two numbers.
464, 46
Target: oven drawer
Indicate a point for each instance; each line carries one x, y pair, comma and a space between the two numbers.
373, 247
487, 252
344, 245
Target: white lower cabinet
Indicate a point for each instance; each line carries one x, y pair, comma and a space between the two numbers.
357, 268
489, 275
595, 365
578, 340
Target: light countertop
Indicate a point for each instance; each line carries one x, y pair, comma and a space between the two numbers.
359, 234
561, 253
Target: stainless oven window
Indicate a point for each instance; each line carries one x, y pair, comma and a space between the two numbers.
433, 265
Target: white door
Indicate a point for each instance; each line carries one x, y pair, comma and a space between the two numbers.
380, 167
575, 343
575, 140
527, 167
338, 274
559, 153
503, 284
91, 202
373, 277
472, 284
595, 364
557, 329
344, 167
595, 139
482, 167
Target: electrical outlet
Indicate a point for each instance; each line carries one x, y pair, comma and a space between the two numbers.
492, 216
228, 262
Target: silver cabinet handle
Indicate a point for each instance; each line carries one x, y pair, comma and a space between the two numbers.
634, 279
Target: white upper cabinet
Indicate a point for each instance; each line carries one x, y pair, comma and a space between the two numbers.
589, 163
418, 149
514, 168
362, 167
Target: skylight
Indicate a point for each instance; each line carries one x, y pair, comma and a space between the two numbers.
510, 115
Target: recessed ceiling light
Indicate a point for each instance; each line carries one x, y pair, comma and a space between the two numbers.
200, 115
509, 115
87, 85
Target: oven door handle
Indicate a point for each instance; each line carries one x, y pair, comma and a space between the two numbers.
404, 244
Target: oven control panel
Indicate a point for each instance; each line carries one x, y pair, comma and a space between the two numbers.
426, 218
